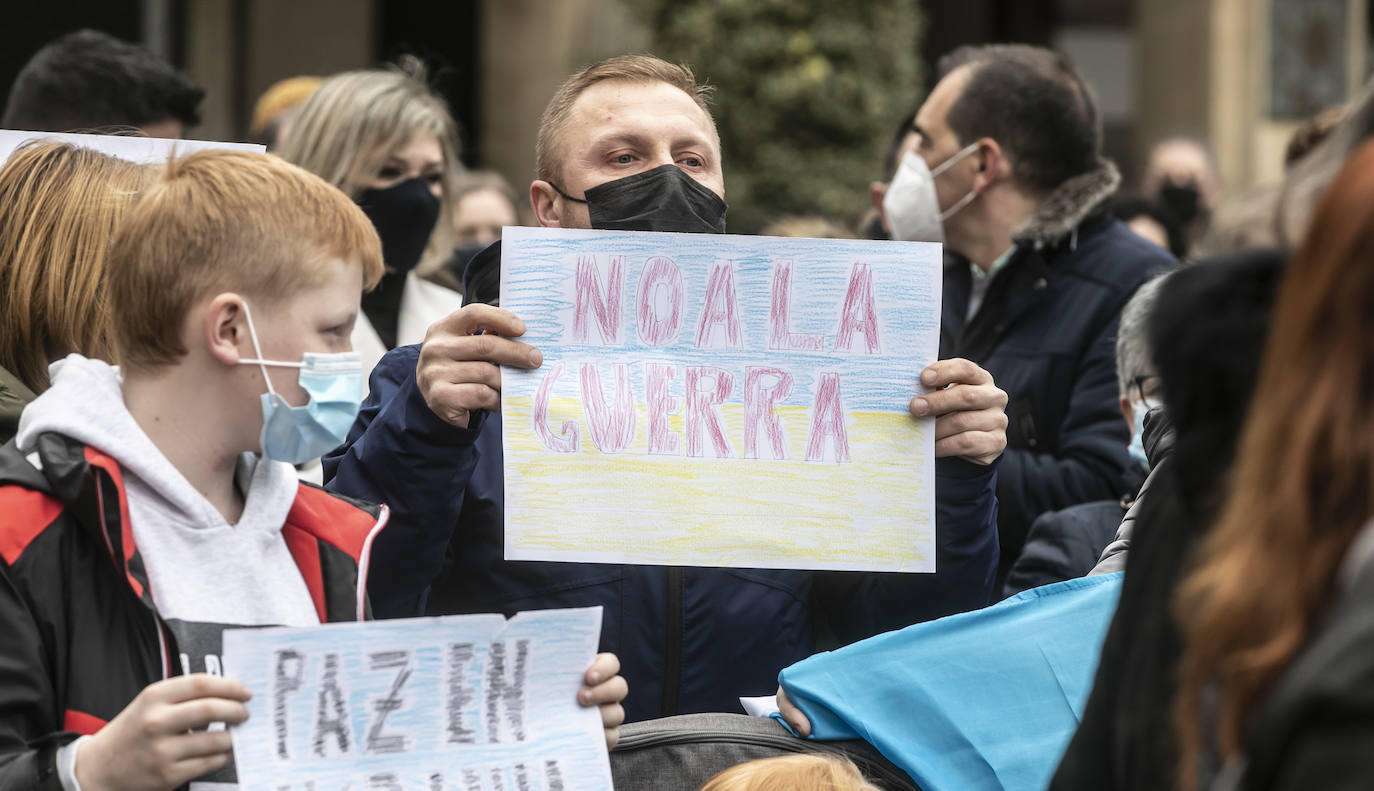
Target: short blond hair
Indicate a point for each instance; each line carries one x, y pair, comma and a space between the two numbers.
807, 772
226, 221
354, 121
59, 206
634, 68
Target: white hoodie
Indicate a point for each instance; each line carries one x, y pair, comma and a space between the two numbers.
205, 574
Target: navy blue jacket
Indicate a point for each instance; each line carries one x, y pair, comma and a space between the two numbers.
1046, 331
1064, 545
689, 639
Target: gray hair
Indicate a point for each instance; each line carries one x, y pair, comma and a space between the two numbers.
1134, 357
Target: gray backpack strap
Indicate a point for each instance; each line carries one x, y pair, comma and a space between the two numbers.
681, 753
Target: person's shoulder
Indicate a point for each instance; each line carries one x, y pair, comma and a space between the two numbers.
1092, 523
28, 504
1094, 512
1121, 251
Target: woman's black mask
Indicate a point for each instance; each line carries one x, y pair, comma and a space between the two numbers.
404, 216
662, 199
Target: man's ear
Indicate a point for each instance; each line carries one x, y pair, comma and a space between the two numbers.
224, 328
992, 164
1128, 412
543, 202
877, 190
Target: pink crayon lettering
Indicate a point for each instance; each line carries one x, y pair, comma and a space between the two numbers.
779, 314
707, 389
721, 309
659, 301
601, 300
763, 389
611, 428
662, 440
860, 313
566, 440
827, 421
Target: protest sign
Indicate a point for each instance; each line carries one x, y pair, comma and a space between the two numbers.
140, 150
714, 400
466, 702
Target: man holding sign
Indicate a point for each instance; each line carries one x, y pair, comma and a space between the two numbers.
628, 144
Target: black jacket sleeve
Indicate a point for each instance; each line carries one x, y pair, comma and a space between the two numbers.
29, 733
402, 455
857, 605
1089, 462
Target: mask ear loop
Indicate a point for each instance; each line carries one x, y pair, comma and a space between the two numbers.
946, 165
257, 349
566, 195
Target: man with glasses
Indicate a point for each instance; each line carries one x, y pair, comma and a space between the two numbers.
1068, 543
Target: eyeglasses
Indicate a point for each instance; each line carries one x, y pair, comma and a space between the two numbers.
1140, 385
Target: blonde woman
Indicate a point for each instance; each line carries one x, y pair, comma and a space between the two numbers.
59, 205
388, 141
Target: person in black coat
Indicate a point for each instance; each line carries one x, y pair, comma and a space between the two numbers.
428, 441
1065, 544
1004, 165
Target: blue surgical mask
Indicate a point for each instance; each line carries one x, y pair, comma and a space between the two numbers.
297, 434
1137, 446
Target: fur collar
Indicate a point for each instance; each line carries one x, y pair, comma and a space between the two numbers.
1065, 208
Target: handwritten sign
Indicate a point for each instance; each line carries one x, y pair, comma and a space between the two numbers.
466, 702
720, 400
139, 150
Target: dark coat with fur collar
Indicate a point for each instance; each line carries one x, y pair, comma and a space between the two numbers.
1046, 330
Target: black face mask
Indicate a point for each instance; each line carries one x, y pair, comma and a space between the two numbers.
662, 199
1183, 201
462, 254
404, 215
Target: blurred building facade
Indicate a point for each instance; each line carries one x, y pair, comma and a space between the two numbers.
1240, 73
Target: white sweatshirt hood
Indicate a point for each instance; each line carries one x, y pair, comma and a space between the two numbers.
86, 403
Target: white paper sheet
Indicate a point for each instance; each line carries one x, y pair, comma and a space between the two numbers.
142, 150
430, 704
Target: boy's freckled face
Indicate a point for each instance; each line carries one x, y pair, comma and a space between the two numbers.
317, 319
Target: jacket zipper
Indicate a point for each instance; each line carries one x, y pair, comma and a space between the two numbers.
365, 560
672, 643
164, 643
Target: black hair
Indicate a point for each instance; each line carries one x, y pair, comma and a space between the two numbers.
91, 81
1034, 104
1127, 206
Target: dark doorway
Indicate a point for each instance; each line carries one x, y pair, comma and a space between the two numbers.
447, 36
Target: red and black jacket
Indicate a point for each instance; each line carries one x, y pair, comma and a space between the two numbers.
80, 635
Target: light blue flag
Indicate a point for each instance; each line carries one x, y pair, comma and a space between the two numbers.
981, 700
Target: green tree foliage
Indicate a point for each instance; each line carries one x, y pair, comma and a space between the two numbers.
807, 94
